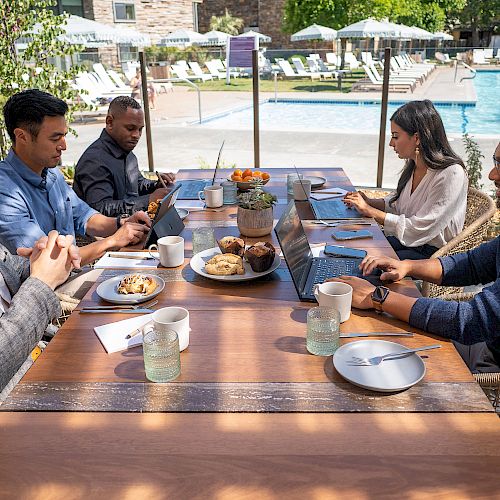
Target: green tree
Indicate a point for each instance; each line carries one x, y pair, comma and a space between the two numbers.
227, 23
479, 15
33, 23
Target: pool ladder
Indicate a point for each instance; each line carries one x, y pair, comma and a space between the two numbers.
472, 70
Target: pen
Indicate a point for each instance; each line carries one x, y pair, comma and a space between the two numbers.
134, 333
135, 257
160, 178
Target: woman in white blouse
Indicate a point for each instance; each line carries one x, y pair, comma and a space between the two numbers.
428, 208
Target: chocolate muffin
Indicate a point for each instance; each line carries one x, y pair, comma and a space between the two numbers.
260, 256
231, 244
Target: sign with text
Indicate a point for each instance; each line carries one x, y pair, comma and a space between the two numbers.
240, 51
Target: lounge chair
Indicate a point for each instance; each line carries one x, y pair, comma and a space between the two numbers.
373, 83
351, 60
196, 69
480, 210
392, 76
301, 70
442, 58
214, 71
332, 59
407, 64
105, 78
287, 69
313, 68
488, 53
478, 57
366, 57
180, 72
117, 79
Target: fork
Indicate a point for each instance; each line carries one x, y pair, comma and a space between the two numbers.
128, 306
376, 360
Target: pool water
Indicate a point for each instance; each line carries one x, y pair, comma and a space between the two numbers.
364, 117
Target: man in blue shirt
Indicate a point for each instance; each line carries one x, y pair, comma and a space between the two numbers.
34, 197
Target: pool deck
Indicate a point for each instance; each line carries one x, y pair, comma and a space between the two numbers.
180, 145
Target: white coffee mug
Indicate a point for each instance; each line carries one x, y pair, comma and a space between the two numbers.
171, 250
336, 295
301, 189
171, 318
213, 196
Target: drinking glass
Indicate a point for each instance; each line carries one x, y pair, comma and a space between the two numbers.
162, 359
290, 178
323, 325
230, 191
203, 239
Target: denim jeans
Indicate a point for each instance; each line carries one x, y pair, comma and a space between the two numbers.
414, 253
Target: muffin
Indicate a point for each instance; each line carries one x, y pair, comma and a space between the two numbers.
260, 256
231, 244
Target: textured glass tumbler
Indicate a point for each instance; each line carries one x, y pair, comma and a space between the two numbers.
203, 239
162, 359
230, 191
323, 325
290, 178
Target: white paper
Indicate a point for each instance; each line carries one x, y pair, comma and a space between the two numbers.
112, 335
326, 194
107, 262
190, 204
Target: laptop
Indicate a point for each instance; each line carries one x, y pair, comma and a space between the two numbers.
166, 221
305, 269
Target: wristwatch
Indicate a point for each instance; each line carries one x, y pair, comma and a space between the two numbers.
378, 297
119, 219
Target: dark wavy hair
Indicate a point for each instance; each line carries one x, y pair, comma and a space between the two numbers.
29, 108
421, 117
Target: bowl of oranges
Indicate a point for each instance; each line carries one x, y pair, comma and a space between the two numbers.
247, 179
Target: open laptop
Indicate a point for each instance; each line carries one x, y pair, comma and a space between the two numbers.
305, 269
166, 221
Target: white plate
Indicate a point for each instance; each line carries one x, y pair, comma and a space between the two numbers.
107, 290
389, 376
198, 265
183, 213
316, 182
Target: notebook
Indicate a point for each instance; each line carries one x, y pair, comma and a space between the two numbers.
306, 270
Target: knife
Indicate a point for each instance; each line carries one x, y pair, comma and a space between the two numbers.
138, 257
124, 311
375, 334
130, 306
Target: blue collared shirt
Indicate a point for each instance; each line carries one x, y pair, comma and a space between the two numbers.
31, 206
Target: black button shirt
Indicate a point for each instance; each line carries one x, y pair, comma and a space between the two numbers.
108, 179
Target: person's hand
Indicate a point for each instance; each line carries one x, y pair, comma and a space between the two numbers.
129, 234
61, 241
168, 177
49, 262
394, 270
358, 201
361, 291
158, 194
139, 218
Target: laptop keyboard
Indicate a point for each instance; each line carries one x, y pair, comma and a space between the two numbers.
330, 268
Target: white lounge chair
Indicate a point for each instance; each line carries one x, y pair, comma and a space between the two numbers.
287, 69
180, 72
301, 70
374, 83
117, 79
214, 71
351, 60
314, 68
332, 59
392, 77
196, 69
478, 57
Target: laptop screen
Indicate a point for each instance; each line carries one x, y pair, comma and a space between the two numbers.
293, 242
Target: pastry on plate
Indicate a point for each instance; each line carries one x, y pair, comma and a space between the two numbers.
225, 264
137, 283
232, 244
260, 256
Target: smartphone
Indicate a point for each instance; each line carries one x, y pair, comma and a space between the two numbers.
352, 235
353, 253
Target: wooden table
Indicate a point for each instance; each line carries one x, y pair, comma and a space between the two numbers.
252, 414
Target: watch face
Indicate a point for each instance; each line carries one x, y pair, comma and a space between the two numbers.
380, 293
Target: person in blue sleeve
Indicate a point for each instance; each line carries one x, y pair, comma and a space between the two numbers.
474, 324
34, 197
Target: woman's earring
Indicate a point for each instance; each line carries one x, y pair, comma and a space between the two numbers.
417, 151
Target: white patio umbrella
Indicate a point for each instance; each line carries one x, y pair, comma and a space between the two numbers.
183, 37
314, 32
442, 36
370, 28
421, 34
218, 38
262, 38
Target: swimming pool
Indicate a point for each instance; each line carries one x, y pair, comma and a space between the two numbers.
364, 117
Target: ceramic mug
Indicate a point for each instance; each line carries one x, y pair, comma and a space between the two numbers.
213, 196
171, 250
336, 295
301, 189
171, 318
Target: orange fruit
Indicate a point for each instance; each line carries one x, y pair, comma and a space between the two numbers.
237, 173
248, 178
265, 175
237, 178
246, 173
256, 174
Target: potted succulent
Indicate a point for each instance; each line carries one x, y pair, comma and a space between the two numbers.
255, 212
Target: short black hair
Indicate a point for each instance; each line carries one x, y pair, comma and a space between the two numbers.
29, 108
121, 103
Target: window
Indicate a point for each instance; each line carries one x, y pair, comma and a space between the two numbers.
127, 53
124, 12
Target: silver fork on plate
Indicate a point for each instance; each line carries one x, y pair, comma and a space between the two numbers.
376, 360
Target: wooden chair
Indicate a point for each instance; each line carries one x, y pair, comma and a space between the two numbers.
480, 209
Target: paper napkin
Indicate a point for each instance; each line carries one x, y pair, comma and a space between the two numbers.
112, 335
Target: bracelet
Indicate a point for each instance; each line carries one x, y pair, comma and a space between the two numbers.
119, 218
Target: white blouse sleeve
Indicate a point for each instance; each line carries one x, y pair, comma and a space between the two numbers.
439, 205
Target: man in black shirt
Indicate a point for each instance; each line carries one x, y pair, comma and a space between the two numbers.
107, 174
